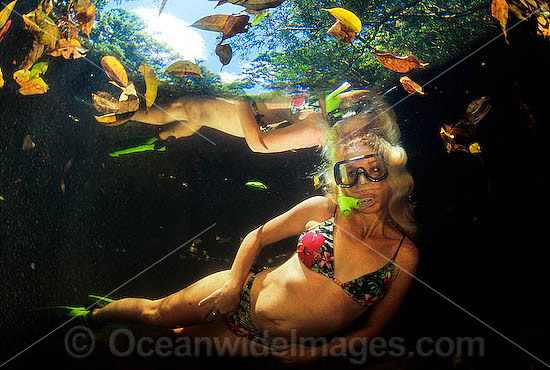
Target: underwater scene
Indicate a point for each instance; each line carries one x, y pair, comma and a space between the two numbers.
178, 177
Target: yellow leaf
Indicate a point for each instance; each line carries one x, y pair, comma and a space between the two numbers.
349, 19
6, 12
33, 87
21, 76
183, 68
151, 83
499, 10
114, 70
1, 79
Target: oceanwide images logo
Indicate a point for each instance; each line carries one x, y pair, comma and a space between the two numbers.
80, 343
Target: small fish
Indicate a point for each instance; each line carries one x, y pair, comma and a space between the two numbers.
256, 185
74, 118
2, 198
28, 144
222, 240
68, 165
63, 187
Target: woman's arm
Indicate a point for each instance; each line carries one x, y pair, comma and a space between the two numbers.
290, 223
305, 131
281, 227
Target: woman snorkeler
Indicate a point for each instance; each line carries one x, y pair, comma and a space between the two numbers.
255, 121
345, 267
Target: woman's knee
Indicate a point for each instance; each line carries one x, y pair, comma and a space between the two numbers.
154, 312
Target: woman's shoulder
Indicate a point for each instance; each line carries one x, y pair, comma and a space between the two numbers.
317, 208
408, 256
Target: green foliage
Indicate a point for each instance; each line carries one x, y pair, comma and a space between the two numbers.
297, 54
120, 33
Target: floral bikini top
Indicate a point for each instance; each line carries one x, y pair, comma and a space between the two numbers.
316, 251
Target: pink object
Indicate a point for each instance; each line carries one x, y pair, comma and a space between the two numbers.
5, 30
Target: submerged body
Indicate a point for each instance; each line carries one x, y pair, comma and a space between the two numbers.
344, 266
187, 114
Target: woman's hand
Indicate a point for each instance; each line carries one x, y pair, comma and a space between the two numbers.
223, 301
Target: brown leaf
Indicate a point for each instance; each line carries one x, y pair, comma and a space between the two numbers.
410, 86
229, 25
69, 48
105, 102
253, 4
341, 33
33, 55
234, 25
477, 110
225, 53
212, 22
399, 64
84, 11
183, 68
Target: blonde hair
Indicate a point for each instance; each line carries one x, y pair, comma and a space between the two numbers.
376, 127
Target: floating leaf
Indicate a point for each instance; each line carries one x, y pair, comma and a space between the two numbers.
225, 53
477, 110
34, 54
113, 119
21, 76
105, 102
115, 70
34, 87
183, 68
256, 185
28, 144
347, 18
212, 22
410, 86
30, 86
229, 25
118, 112
458, 140
69, 48
151, 83
38, 69
499, 10
5, 29
84, 11
252, 4
6, 12
399, 64
341, 33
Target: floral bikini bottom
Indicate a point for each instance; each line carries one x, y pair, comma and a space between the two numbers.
240, 321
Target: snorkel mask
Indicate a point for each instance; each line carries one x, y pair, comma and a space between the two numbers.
335, 114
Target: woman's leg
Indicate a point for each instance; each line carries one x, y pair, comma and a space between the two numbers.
179, 129
194, 112
175, 310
